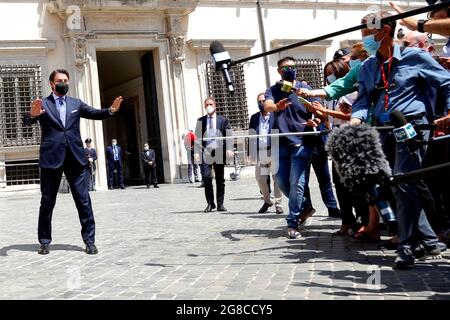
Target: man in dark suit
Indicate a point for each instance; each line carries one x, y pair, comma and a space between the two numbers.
114, 157
211, 152
148, 157
91, 156
62, 151
260, 154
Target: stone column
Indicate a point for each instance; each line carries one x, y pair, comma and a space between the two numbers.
177, 28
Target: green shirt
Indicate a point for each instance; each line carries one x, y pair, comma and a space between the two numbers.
343, 86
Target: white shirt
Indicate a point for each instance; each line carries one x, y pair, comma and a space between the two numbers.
211, 131
264, 128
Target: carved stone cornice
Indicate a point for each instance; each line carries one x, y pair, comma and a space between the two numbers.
120, 6
229, 44
277, 43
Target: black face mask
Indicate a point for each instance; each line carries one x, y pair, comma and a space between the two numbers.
62, 88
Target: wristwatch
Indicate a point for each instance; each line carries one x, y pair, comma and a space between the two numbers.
420, 25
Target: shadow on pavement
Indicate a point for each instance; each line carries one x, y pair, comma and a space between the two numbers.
35, 247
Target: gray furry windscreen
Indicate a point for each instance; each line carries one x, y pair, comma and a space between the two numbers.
358, 156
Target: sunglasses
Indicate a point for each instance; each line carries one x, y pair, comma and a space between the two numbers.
286, 68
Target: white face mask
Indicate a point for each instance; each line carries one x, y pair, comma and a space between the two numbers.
210, 109
114, 143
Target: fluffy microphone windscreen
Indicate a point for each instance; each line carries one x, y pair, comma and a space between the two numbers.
216, 47
358, 156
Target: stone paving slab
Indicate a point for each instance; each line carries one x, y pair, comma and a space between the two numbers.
158, 244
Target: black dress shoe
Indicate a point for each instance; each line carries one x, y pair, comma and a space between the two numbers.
43, 249
220, 207
148, 186
334, 213
91, 249
122, 187
264, 208
209, 208
110, 188
156, 186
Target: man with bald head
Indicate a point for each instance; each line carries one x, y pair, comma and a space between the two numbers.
418, 40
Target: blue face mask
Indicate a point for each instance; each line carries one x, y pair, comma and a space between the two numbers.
354, 63
261, 106
370, 44
331, 78
289, 75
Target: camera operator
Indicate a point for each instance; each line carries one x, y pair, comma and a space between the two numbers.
393, 80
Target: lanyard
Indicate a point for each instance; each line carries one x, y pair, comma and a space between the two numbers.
385, 78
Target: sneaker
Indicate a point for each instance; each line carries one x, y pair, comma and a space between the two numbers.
404, 259
422, 253
293, 233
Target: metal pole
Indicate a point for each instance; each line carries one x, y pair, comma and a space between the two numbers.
262, 37
406, 14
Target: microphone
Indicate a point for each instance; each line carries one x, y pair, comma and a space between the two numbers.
287, 86
403, 131
362, 165
222, 61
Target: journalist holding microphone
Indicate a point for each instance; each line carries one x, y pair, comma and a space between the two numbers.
61, 152
393, 79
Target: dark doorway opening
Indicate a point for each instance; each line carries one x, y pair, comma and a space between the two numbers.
131, 74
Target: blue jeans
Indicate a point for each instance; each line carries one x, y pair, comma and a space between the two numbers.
292, 174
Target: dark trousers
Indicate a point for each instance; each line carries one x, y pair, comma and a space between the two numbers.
91, 179
413, 225
50, 180
114, 165
220, 182
319, 163
150, 174
439, 187
348, 200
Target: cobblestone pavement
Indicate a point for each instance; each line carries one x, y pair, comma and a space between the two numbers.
158, 244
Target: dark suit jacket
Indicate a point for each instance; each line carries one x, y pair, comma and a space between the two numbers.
254, 127
91, 153
150, 157
110, 154
55, 138
224, 127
